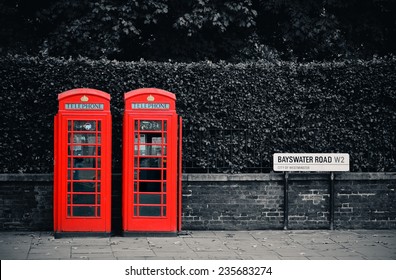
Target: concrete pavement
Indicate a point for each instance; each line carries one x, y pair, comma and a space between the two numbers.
227, 245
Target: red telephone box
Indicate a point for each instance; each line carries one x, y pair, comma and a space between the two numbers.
82, 163
151, 163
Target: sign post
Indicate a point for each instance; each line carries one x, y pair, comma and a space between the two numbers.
307, 162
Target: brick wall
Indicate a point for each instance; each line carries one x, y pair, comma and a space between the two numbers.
231, 202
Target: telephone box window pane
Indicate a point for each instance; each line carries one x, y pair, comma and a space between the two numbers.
150, 125
98, 188
69, 176
150, 174
99, 125
84, 162
150, 150
84, 126
164, 187
135, 213
68, 199
69, 125
98, 199
85, 150
79, 174
150, 199
84, 187
135, 198
164, 199
98, 175
164, 211
150, 162
136, 125
84, 199
69, 184
98, 209
99, 163
84, 211
150, 211
68, 211
165, 125
136, 138
149, 186
83, 138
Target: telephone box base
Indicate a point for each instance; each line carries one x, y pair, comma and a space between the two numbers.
70, 234
148, 234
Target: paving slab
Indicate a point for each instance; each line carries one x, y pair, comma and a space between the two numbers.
227, 245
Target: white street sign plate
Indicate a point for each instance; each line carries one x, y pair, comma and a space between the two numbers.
311, 162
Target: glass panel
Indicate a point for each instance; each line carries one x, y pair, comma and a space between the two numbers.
84, 199
99, 125
164, 211
149, 186
135, 198
99, 138
149, 150
135, 213
68, 211
69, 125
150, 211
84, 138
150, 199
164, 187
135, 187
136, 150
99, 162
150, 174
98, 199
69, 176
164, 199
151, 125
165, 125
84, 162
69, 184
98, 210
98, 175
84, 125
136, 125
136, 138
84, 187
84, 211
98, 190
79, 174
150, 162
79, 150
68, 199
164, 174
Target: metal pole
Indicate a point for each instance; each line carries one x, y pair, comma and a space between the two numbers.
286, 203
331, 210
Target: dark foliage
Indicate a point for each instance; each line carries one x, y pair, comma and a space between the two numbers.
236, 114
198, 30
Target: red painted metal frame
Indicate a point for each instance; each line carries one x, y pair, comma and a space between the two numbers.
64, 162
134, 221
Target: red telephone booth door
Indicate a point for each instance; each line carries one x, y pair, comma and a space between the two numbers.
151, 188
82, 186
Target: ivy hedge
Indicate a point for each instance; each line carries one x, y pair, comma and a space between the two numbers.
235, 115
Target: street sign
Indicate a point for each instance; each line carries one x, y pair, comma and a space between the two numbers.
311, 162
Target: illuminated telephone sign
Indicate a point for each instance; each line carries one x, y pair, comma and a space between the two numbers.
82, 163
151, 163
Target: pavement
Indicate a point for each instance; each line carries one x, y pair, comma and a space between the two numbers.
206, 245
